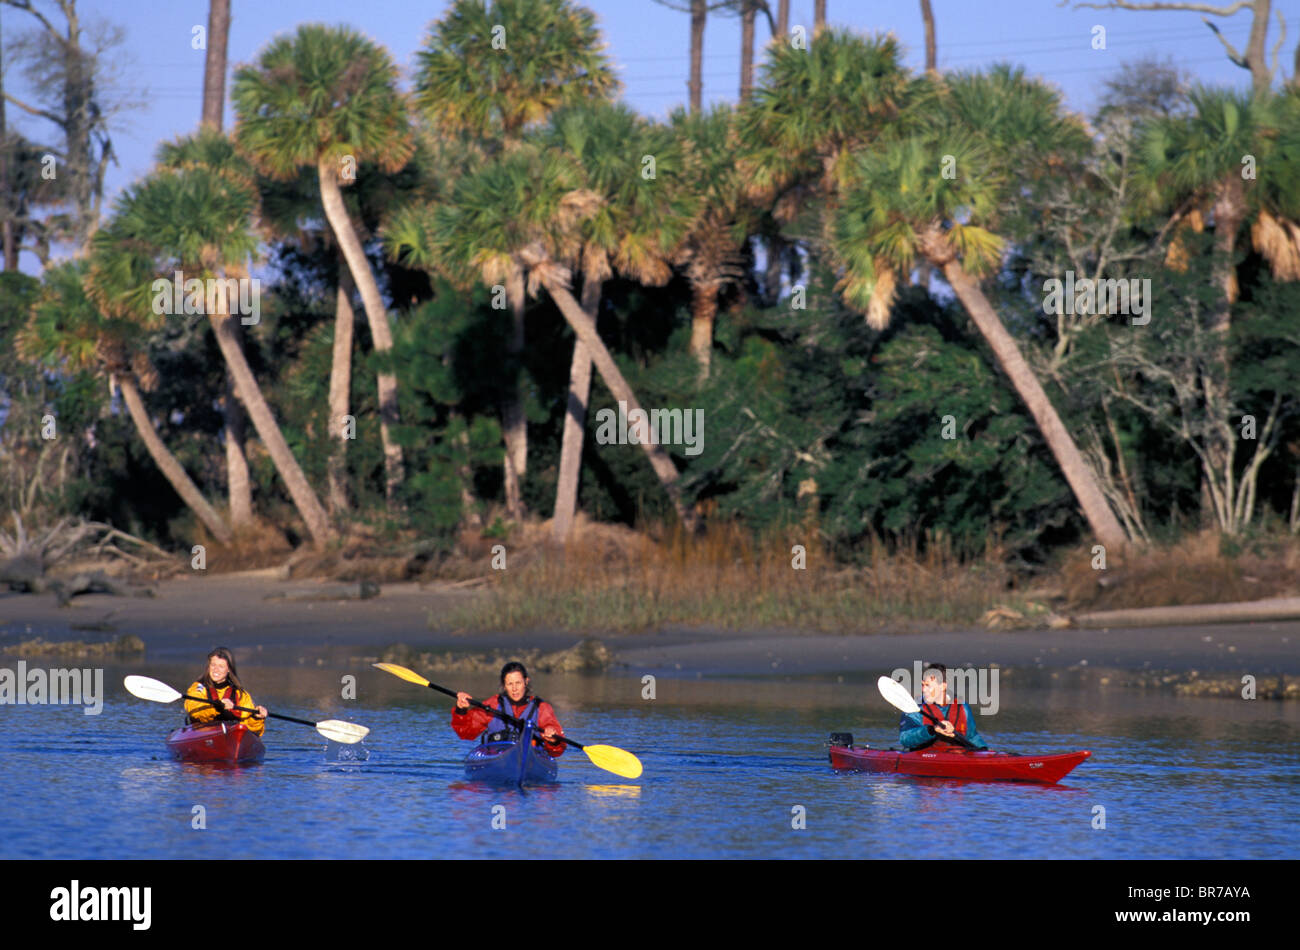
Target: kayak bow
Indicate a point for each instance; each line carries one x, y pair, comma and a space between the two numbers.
231, 742
512, 763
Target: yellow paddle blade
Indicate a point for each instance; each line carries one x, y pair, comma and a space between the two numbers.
613, 759
400, 671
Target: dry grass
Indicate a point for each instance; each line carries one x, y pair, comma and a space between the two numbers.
1194, 570
611, 578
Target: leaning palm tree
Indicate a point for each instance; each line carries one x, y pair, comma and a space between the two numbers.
196, 224
327, 98
489, 72
811, 110
211, 151
66, 331
636, 229
521, 212
896, 207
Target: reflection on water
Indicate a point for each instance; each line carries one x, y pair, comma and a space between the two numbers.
726, 764
613, 791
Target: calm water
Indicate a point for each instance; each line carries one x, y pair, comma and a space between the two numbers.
726, 763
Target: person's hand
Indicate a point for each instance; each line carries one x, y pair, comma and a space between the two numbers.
549, 734
228, 703
261, 712
944, 728
462, 700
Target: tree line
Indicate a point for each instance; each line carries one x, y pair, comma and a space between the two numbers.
848, 274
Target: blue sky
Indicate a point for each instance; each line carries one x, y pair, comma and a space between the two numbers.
649, 44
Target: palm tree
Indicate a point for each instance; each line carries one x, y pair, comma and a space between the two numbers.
239, 486
468, 83
327, 97
65, 331
199, 224
712, 248
211, 151
896, 207
811, 110
636, 230
1191, 168
522, 211
290, 211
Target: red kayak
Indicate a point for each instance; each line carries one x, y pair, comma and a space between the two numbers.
959, 763
231, 742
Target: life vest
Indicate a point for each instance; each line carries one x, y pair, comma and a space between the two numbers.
502, 730
937, 715
226, 692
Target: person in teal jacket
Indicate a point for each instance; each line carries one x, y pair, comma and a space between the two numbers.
938, 723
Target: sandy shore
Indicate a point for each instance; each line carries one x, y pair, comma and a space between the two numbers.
191, 614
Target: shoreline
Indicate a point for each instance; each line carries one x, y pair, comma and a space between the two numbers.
250, 613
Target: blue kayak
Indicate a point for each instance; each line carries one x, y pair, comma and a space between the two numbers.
511, 763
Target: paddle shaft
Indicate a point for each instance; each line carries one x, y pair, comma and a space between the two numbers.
501, 713
270, 715
956, 735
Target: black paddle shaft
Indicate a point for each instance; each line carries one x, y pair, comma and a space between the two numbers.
499, 712
270, 715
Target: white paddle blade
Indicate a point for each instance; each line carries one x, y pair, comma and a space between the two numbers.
338, 731
896, 695
144, 687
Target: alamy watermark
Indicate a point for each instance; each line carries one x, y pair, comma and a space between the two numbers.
976, 686
75, 903
38, 687
1130, 297
240, 298
657, 427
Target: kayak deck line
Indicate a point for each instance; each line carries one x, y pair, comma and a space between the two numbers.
981, 765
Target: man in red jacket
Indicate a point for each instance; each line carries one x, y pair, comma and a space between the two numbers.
518, 701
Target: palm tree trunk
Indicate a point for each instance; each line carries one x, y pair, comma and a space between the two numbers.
585, 328
575, 422
1105, 526
250, 394
10, 249
239, 485
1229, 212
704, 310
167, 463
214, 63
514, 422
931, 53
783, 19
699, 14
747, 14
340, 389
819, 16
380, 332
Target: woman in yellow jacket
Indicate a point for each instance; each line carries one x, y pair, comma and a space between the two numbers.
221, 685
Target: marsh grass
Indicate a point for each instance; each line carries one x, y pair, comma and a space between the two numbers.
624, 581
1201, 568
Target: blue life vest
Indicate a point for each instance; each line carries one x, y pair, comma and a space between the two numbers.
502, 730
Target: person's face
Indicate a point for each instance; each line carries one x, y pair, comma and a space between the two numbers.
516, 685
934, 689
217, 669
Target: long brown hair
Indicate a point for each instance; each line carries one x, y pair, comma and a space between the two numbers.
232, 678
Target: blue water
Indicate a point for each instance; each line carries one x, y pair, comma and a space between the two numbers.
728, 766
